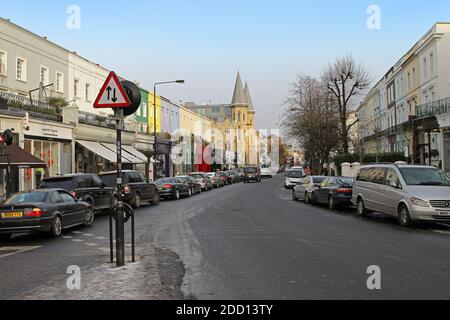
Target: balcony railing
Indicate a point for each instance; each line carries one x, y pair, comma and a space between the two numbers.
35, 109
434, 108
96, 120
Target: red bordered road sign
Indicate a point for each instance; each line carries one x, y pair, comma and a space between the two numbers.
112, 94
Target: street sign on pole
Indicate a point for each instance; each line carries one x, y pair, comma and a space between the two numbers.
112, 94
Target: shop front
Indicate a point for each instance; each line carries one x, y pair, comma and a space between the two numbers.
164, 167
51, 143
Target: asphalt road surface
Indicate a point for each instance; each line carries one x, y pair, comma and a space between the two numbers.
251, 241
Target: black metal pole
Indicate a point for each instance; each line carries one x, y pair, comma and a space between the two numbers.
111, 235
120, 232
133, 244
154, 131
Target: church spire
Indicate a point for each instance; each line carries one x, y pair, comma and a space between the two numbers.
248, 97
239, 97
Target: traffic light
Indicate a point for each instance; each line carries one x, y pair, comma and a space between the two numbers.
7, 137
134, 94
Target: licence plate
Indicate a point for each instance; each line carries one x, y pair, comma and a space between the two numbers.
11, 215
444, 213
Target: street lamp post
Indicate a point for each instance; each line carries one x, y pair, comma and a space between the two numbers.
155, 144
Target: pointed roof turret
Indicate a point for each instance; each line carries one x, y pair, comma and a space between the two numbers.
248, 97
239, 95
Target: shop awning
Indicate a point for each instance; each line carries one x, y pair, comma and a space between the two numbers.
19, 158
99, 149
129, 157
136, 153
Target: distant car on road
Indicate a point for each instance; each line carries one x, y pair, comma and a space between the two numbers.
293, 178
266, 173
335, 192
89, 188
204, 180
227, 179
136, 189
307, 186
44, 210
216, 179
252, 174
192, 183
173, 188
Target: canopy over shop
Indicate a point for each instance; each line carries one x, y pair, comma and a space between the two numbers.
96, 157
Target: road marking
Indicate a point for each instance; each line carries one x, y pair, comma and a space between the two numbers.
91, 244
104, 249
77, 232
67, 237
77, 240
442, 232
16, 250
101, 238
87, 235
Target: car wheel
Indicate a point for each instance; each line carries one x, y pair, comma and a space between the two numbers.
294, 197
403, 217
307, 199
313, 200
56, 227
361, 208
331, 204
156, 199
5, 236
137, 201
89, 218
190, 193
177, 195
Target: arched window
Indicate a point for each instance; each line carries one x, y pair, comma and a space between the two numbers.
239, 116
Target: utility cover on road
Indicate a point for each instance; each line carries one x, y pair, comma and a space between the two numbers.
112, 94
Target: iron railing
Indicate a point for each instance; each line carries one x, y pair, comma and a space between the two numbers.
434, 108
35, 109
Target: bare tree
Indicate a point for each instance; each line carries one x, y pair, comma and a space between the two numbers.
346, 80
311, 118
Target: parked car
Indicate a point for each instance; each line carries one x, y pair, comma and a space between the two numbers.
307, 186
136, 189
204, 180
335, 192
216, 180
252, 174
173, 188
45, 210
234, 175
410, 193
266, 173
194, 185
293, 178
87, 187
225, 178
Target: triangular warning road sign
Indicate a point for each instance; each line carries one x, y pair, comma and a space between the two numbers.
112, 94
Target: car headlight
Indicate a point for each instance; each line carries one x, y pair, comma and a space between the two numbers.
420, 203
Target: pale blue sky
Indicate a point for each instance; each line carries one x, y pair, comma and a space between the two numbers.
205, 42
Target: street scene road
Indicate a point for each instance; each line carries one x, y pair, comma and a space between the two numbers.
245, 241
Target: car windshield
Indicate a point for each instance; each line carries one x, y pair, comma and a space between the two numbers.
318, 179
346, 181
424, 177
60, 183
295, 174
165, 180
250, 170
31, 197
109, 179
197, 176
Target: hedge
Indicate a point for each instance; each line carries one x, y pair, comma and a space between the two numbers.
368, 158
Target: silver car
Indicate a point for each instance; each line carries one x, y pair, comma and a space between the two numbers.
307, 185
410, 193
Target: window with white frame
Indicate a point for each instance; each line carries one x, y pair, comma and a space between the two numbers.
76, 88
21, 69
3, 63
425, 67
87, 92
414, 77
44, 75
59, 82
